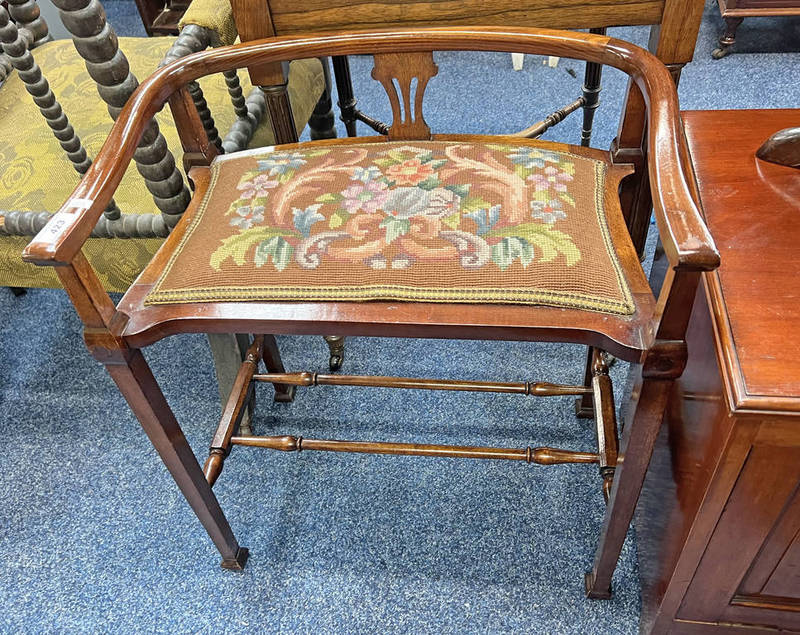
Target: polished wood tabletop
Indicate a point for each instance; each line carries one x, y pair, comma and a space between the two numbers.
753, 211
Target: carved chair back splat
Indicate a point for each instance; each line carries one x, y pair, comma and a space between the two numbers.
650, 334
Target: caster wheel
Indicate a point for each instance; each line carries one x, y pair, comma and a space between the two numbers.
335, 362
719, 53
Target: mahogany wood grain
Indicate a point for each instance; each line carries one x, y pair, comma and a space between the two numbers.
753, 214
653, 336
719, 519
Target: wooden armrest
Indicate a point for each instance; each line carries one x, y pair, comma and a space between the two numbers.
684, 234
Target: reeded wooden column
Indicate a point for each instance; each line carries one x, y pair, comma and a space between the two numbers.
96, 43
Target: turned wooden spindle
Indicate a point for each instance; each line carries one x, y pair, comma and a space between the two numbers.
26, 14
96, 43
14, 223
605, 420
235, 408
5, 67
540, 456
16, 45
191, 39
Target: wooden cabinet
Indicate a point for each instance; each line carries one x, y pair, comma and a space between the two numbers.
718, 524
735, 11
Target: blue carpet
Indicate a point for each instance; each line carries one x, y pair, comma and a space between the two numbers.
96, 537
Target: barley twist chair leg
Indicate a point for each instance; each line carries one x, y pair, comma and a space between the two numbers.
639, 435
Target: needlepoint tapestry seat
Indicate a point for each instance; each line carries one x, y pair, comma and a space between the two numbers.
504, 221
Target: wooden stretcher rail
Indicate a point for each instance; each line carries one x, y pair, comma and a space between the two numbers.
537, 389
541, 456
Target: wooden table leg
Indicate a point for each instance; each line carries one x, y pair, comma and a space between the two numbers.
137, 384
639, 435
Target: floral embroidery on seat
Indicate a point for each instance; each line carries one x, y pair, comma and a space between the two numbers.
477, 205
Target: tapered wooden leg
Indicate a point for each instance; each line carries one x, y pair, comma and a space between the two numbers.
639, 435
137, 384
284, 393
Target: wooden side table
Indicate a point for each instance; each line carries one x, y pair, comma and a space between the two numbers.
718, 524
735, 11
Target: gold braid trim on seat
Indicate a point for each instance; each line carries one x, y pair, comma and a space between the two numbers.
423, 221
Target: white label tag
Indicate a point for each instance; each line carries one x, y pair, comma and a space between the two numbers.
80, 203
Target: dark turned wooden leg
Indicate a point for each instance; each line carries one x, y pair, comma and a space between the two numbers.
344, 86
639, 435
140, 389
591, 94
18, 291
272, 360
336, 348
321, 123
584, 405
728, 38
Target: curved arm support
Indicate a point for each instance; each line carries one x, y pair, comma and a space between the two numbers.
684, 234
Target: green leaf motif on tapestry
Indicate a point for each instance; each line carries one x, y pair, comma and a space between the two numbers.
384, 162
286, 176
522, 172
397, 155
462, 190
278, 248
236, 246
567, 167
501, 147
567, 198
471, 203
452, 221
431, 183
317, 153
546, 238
509, 249
338, 218
438, 163
395, 227
329, 198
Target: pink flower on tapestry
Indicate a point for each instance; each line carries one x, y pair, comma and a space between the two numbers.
364, 196
550, 177
259, 186
409, 172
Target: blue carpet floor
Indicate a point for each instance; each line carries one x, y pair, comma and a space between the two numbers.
95, 537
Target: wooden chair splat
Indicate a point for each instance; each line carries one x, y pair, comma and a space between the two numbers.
404, 68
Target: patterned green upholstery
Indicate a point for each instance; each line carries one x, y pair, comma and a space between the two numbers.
36, 175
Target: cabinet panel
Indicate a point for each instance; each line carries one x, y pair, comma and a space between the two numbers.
753, 546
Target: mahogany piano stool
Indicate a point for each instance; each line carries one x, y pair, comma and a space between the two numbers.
718, 524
